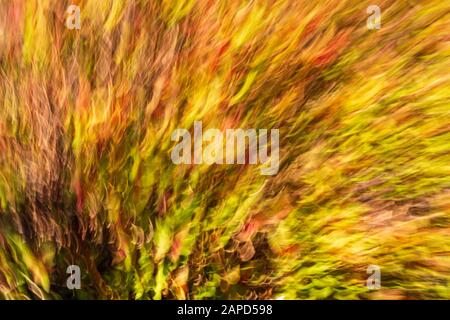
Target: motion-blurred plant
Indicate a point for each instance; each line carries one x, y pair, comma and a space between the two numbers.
86, 177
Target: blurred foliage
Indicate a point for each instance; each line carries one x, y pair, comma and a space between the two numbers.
85, 171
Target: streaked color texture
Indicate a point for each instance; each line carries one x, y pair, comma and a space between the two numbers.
85, 171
